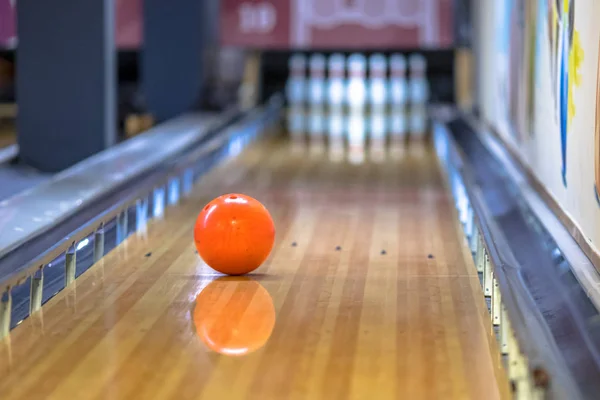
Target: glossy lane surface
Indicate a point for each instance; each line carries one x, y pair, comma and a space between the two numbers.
369, 293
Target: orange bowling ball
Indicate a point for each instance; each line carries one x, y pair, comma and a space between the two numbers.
234, 234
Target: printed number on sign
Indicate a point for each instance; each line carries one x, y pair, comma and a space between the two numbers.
257, 17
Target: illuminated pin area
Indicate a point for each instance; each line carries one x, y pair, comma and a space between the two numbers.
349, 102
419, 95
296, 96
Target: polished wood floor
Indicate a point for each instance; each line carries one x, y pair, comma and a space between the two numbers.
369, 294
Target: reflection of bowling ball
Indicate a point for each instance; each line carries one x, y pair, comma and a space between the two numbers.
234, 316
234, 234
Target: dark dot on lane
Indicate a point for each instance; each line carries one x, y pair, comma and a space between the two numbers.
294, 244
430, 256
383, 252
338, 248
148, 254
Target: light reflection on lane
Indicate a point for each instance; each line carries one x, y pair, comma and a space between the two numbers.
234, 316
355, 137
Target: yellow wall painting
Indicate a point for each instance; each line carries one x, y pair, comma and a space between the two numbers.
557, 112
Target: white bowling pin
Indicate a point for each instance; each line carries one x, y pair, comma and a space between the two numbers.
378, 84
296, 84
316, 121
398, 124
419, 88
356, 129
377, 126
398, 83
335, 124
356, 137
356, 91
336, 83
316, 85
419, 95
336, 135
316, 128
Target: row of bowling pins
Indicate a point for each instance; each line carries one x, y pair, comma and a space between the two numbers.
367, 81
358, 127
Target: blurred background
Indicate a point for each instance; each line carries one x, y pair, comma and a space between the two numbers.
234, 35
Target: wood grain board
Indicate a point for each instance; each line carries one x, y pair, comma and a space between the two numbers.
370, 293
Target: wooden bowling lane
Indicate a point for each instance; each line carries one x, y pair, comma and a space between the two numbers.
369, 293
